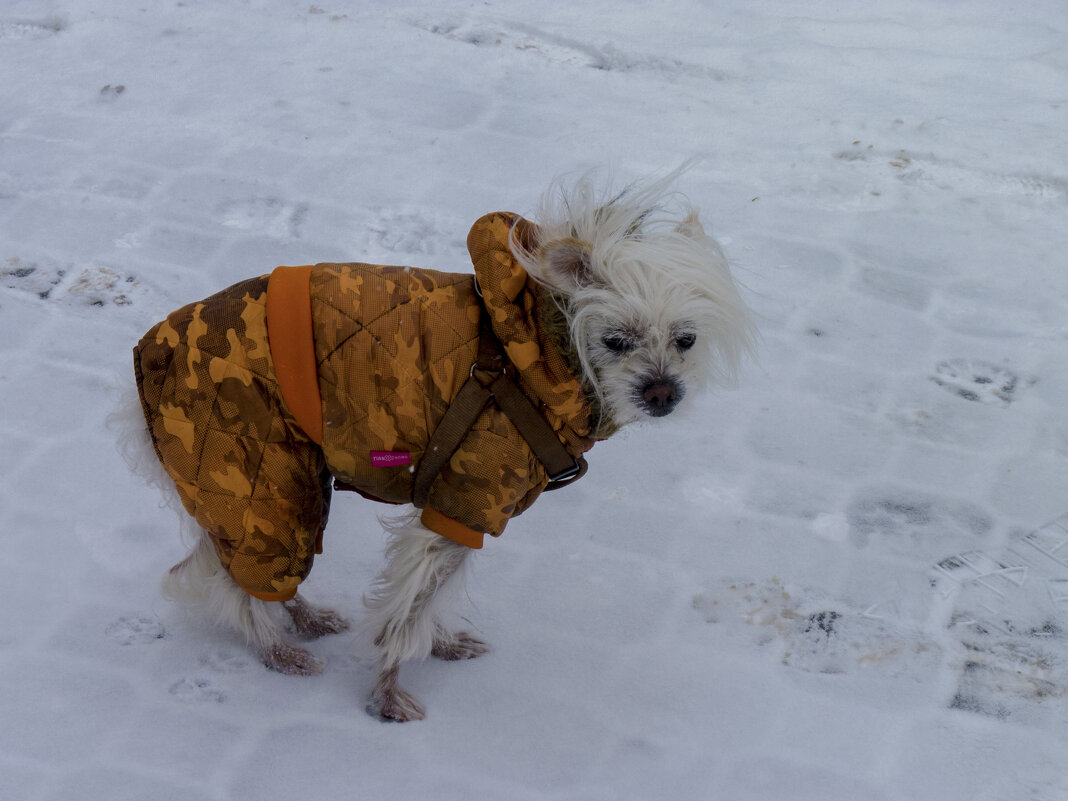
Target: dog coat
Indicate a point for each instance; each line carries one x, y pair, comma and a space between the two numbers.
369, 358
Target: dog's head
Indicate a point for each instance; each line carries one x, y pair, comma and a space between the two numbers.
648, 297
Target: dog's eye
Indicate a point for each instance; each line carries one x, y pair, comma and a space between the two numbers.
685, 341
617, 343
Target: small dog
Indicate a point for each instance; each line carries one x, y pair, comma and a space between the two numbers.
604, 313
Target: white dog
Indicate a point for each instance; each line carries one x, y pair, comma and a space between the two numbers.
628, 293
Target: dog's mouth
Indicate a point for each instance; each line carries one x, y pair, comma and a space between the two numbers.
659, 397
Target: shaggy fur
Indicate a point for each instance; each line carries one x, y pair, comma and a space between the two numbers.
648, 296
648, 311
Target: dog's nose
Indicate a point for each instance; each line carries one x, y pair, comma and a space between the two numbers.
660, 397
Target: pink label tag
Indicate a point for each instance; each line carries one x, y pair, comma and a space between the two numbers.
390, 458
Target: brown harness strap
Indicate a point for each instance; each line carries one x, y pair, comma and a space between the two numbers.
490, 381
461, 415
559, 464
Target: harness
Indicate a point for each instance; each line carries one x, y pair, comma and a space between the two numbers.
491, 380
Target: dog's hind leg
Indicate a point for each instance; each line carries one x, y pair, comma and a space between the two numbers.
314, 621
201, 579
402, 615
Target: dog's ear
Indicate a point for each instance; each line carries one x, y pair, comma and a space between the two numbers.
691, 227
568, 261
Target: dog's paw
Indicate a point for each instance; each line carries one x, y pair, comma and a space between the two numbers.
396, 704
291, 660
461, 645
314, 622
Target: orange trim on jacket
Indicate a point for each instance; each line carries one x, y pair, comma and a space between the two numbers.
451, 529
289, 332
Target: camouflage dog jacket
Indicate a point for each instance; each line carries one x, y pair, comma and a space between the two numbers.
381, 352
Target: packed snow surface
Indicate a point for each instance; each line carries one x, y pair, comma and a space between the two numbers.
846, 580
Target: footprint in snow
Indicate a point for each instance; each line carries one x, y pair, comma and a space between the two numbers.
227, 661
94, 286
1008, 613
136, 630
25, 29
905, 521
977, 381
196, 691
812, 633
102, 286
268, 215
29, 276
560, 49
411, 232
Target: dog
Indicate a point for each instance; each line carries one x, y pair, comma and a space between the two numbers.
607, 311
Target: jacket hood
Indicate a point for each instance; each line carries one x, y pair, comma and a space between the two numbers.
517, 304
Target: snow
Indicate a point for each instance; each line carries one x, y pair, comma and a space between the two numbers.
846, 579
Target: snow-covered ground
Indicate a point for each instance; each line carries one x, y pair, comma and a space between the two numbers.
843, 581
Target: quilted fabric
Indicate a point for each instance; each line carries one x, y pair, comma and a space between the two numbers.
392, 345
243, 469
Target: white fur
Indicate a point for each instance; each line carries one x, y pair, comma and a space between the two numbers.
405, 597
626, 270
651, 274
200, 578
127, 422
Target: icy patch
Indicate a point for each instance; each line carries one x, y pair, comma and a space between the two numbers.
1009, 614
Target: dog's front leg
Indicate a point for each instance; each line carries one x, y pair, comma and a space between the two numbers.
419, 563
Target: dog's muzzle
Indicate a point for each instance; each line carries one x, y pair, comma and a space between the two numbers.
660, 396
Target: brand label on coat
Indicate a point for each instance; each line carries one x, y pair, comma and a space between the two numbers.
390, 458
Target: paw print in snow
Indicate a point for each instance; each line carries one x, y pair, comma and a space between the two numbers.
227, 661
977, 381
22, 29
94, 286
136, 630
101, 286
196, 691
30, 276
